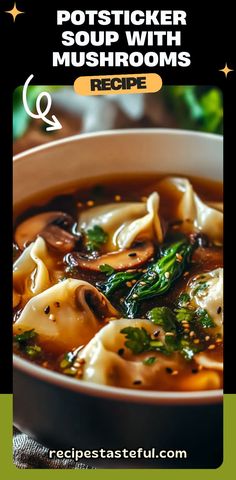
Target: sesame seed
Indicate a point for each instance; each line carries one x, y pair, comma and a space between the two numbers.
219, 340
191, 334
47, 309
133, 282
175, 372
169, 370
219, 310
170, 334
117, 198
179, 257
135, 295
90, 203
207, 337
196, 341
132, 254
167, 274
128, 284
211, 347
57, 304
79, 204
137, 382
186, 330
195, 370
121, 351
145, 270
52, 317
142, 283
186, 274
156, 333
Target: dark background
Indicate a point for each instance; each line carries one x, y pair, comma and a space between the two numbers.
26, 47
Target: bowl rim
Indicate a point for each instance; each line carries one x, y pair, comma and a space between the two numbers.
118, 132
104, 391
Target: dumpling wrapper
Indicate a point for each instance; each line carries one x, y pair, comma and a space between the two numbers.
105, 366
193, 212
31, 272
125, 222
77, 310
211, 300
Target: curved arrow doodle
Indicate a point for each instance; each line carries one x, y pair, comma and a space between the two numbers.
41, 114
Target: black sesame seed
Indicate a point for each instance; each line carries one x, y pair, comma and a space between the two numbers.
219, 310
57, 304
121, 351
194, 370
169, 370
47, 309
156, 333
137, 382
132, 254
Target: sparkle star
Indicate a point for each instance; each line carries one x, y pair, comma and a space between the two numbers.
14, 12
226, 70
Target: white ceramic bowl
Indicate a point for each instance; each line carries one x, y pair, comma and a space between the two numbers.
61, 411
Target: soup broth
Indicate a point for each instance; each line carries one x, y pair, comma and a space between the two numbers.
118, 280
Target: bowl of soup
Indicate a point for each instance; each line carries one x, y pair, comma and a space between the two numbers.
118, 296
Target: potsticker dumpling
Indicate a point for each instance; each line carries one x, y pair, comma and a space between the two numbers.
193, 212
206, 292
125, 222
31, 272
66, 315
104, 365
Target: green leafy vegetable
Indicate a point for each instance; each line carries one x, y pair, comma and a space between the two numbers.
24, 343
200, 287
117, 281
160, 276
184, 313
96, 237
24, 337
138, 339
67, 363
183, 299
107, 269
149, 361
164, 317
204, 319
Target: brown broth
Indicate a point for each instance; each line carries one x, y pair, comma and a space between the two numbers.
73, 199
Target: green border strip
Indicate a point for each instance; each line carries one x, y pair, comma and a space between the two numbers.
11, 472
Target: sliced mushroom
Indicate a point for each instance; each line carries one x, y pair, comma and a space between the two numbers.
58, 238
51, 226
120, 260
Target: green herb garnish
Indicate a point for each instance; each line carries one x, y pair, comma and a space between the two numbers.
183, 300
107, 269
24, 337
24, 343
96, 237
183, 313
149, 361
204, 319
164, 317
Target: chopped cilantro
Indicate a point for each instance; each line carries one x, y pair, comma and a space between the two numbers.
183, 300
200, 288
149, 361
107, 269
138, 339
204, 319
23, 341
96, 237
183, 313
24, 337
164, 317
